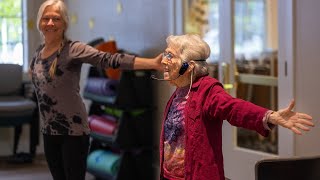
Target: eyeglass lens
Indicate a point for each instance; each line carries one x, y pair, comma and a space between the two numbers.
167, 55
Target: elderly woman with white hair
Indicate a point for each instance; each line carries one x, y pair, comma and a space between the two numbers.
191, 136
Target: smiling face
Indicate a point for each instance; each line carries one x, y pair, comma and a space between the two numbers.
51, 24
171, 64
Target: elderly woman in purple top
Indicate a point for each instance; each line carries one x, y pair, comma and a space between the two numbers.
191, 136
55, 71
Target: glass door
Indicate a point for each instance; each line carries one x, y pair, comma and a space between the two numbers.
242, 35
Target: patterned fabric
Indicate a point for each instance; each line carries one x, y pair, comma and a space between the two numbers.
61, 107
174, 139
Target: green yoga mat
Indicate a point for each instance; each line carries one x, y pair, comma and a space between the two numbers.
104, 162
118, 112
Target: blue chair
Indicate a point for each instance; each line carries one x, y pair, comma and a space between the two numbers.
16, 109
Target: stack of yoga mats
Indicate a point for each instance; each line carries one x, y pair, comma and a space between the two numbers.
103, 162
104, 125
102, 86
100, 89
121, 127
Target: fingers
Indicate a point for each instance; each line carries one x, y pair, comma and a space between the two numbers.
306, 122
291, 105
304, 116
302, 127
296, 130
305, 119
159, 61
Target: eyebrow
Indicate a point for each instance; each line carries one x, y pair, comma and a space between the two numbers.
171, 53
51, 16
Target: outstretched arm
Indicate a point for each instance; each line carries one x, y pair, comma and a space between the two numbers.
292, 120
146, 63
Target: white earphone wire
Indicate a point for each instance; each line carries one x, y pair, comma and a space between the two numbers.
190, 84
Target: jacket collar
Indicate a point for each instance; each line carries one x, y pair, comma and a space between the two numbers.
197, 81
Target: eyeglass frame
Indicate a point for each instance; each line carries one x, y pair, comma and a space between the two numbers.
167, 55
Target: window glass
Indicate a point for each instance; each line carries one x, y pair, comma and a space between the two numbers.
250, 28
252, 55
11, 47
250, 25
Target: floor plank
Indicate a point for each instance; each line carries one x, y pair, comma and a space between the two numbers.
37, 170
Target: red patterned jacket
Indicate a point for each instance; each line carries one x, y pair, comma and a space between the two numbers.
206, 108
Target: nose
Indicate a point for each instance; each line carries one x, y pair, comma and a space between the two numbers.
164, 61
50, 22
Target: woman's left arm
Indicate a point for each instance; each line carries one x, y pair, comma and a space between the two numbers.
294, 121
87, 54
148, 63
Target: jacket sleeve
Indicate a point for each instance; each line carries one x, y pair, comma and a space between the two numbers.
236, 111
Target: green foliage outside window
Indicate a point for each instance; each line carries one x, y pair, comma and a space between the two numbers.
10, 8
11, 31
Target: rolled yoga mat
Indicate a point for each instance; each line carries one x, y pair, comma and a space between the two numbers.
113, 112
102, 86
102, 125
104, 162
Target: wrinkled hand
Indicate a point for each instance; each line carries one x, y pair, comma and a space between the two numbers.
292, 120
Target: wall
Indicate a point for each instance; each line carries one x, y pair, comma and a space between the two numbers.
272, 24
307, 88
140, 28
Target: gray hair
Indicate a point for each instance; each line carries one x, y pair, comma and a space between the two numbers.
191, 47
62, 9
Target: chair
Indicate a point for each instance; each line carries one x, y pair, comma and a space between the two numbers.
96, 42
300, 168
15, 109
111, 47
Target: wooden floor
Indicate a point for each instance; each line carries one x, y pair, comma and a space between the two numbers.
38, 170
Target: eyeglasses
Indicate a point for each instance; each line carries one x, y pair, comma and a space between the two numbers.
167, 55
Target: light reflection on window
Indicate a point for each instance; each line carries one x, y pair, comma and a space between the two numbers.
11, 47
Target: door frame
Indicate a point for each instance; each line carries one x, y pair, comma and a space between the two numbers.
239, 162
286, 63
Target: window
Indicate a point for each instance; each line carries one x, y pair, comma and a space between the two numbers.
250, 28
11, 47
254, 50
250, 25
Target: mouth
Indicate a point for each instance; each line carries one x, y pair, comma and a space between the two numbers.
166, 75
51, 30
166, 69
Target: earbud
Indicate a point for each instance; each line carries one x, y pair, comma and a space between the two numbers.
184, 67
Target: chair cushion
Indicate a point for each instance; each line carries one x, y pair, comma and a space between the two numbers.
10, 78
16, 106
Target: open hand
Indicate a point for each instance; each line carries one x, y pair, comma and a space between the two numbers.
158, 60
294, 121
